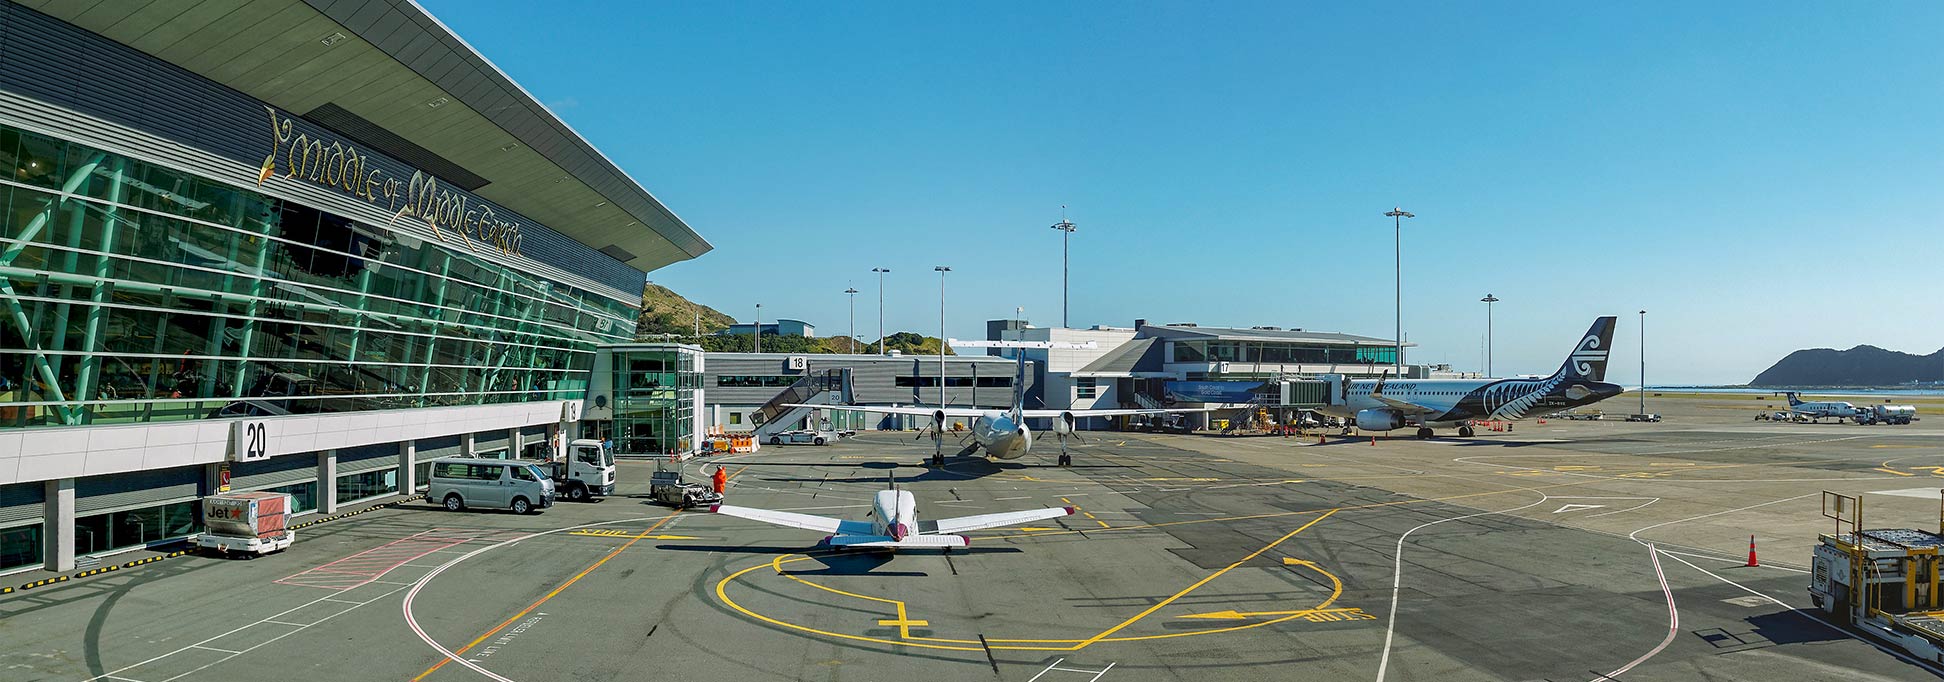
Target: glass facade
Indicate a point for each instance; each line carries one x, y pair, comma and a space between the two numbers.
138, 293
654, 399
20, 546
303, 496
135, 527
354, 487
1280, 352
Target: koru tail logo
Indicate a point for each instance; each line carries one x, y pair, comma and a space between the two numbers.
1589, 352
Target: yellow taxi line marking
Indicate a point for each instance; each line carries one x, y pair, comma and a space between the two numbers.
1894, 471
1204, 581
544, 598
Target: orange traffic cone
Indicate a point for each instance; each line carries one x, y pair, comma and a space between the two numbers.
1751, 552
1373, 440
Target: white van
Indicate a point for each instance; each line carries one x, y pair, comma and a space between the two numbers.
461, 482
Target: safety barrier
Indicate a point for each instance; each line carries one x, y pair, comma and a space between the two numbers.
182, 552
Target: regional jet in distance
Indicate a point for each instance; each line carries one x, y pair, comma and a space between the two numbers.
893, 523
1002, 434
1385, 404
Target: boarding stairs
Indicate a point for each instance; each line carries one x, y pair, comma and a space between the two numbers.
822, 387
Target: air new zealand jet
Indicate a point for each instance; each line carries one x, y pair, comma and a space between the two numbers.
1385, 405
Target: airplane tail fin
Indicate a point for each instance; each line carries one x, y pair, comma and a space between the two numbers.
1794, 398
1589, 357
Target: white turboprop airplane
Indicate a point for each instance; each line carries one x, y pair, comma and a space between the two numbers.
1820, 409
893, 523
1002, 434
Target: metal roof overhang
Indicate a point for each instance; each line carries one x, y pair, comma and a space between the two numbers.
393, 64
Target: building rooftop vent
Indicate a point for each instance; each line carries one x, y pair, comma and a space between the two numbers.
1268, 328
1181, 324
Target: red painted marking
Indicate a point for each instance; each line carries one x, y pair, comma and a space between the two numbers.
364, 567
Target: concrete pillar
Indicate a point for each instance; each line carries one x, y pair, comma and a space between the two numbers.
57, 525
407, 467
466, 445
514, 446
327, 482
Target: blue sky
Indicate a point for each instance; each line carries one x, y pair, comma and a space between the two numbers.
1760, 176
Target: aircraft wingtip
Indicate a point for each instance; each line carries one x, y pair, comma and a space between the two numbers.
1072, 510
714, 507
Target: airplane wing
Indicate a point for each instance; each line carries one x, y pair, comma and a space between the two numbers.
1403, 406
964, 523
821, 524
1115, 412
913, 410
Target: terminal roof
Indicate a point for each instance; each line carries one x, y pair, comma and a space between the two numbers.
389, 75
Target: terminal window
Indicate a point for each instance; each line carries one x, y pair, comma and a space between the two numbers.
1084, 387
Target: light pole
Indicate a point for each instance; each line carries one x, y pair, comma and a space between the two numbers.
759, 328
1397, 216
852, 291
1643, 362
880, 273
941, 334
1066, 230
1488, 300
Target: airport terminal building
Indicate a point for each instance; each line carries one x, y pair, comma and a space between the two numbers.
291, 245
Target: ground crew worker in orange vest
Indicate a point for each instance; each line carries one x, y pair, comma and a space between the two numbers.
721, 479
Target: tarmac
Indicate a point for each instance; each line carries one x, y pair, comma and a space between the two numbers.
1557, 551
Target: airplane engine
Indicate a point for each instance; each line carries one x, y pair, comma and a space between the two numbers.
1063, 424
938, 421
1378, 419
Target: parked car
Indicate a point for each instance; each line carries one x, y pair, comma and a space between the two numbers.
804, 437
462, 482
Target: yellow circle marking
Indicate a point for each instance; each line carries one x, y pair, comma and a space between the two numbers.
904, 621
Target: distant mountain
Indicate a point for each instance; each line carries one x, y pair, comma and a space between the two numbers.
1859, 366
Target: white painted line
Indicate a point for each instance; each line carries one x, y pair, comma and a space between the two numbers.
1103, 671
347, 601
1049, 667
1673, 618
279, 622
1737, 562
1397, 577
1635, 536
1003, 499
211, 648
1806, 614
411, 620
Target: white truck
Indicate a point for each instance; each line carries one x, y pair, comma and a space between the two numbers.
588, 471
249, 523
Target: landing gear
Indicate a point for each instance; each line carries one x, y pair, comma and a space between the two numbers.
1464, 432
938, 460
1066, 460
1424, 433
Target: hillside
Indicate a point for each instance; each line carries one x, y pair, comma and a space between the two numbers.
665, 312
1859, 366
